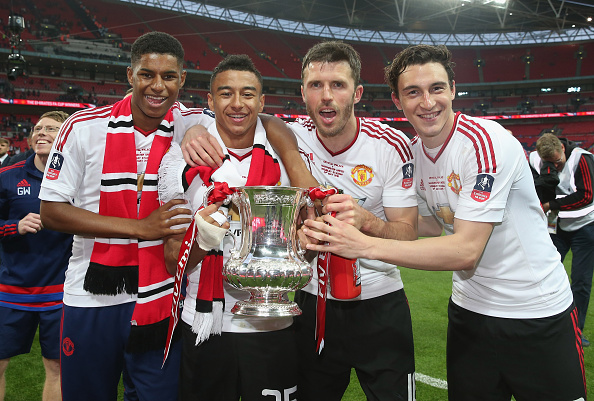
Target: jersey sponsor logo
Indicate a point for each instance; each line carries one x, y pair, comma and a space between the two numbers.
422, 185
454, 183
407, 175
362, 175
67, 346
55, 166
482, 189
23, 188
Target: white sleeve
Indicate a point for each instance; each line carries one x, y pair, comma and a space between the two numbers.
65, 169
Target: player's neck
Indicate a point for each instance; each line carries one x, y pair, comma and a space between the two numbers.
340, 141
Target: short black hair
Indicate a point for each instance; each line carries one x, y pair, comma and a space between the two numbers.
236, 62
419, 55
333, 51
159, 43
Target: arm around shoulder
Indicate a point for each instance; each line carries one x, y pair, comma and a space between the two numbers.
285, 144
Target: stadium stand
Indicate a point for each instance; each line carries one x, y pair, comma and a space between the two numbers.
103, 30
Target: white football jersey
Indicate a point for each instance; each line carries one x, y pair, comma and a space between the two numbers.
241, 159
481, 174
79, 149
377, 169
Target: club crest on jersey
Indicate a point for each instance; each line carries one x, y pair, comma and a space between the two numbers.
55, 166
407, 175
362, 175
482, 189
454, 183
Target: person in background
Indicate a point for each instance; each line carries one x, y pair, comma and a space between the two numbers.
512, 327
4, 147
33, 262
570, 209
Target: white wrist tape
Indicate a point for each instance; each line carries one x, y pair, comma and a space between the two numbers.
218, 217
209, 236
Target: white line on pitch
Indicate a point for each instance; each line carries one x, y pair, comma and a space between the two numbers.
431, 381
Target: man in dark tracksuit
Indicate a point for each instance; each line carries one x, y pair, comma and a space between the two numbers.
33, 263
573, 228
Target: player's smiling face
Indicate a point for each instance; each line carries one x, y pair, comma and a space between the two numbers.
329, 94
236, 98
156, 80
425, 96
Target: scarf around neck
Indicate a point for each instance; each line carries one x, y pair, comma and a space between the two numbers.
130, 265
177, 176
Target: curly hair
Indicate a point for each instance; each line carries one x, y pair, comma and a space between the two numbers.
159, 43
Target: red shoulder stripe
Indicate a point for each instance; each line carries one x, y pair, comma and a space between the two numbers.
378, 132
80, 116
483, 146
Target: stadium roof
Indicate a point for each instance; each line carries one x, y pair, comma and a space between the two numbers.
404, 22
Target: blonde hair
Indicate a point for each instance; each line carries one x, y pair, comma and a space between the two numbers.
547, 145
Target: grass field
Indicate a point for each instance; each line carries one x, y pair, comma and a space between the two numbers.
428, 294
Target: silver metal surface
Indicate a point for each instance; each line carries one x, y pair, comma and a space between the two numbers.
268, 263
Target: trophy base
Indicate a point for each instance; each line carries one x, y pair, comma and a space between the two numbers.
271, 309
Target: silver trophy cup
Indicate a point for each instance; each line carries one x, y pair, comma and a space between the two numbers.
268, 262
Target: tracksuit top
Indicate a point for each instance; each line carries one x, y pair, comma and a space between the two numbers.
32, 266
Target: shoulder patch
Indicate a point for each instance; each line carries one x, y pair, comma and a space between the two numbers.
55, 166
482, 189
407, 175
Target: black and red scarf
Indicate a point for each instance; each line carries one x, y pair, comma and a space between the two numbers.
129, 265
264, 170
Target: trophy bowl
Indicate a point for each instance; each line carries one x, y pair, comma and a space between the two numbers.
268, 262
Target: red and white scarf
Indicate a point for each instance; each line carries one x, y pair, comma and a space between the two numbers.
130, 265
264, 170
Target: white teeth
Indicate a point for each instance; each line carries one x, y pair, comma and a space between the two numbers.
433, 115
159, 99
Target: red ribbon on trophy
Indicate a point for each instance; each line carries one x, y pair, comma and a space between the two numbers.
316, 193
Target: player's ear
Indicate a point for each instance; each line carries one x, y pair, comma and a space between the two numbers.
396, 101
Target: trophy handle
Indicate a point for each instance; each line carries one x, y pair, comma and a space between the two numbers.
304, 201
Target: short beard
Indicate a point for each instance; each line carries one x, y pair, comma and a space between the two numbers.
331, 134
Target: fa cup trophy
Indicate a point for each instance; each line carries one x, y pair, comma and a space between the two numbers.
268, 262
